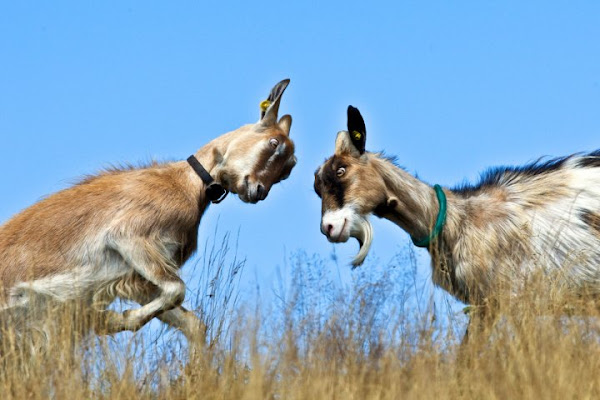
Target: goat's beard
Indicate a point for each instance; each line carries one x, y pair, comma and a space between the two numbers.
363, 232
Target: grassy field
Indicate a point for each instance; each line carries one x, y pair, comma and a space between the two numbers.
369, 339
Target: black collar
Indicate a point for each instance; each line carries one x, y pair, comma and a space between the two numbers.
214, 191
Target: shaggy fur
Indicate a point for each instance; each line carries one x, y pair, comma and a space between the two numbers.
539, 218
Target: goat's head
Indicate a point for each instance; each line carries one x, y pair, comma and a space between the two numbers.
350, 188
257, 156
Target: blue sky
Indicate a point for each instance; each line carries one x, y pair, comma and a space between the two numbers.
450, 88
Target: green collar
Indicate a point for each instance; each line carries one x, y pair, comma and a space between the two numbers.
439, 222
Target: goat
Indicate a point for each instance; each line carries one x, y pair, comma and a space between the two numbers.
539, 218
125, 232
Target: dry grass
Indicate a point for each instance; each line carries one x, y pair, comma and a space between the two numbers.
368, 339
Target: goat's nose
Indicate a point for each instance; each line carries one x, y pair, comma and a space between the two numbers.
328, 229
261, 193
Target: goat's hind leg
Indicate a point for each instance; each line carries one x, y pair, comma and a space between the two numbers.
143, 292
147, 260
137, 289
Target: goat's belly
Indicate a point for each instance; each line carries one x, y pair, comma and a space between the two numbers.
571, 262
81, 283
551, 271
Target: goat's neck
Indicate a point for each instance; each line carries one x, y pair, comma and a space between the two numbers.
410, 203
210, 156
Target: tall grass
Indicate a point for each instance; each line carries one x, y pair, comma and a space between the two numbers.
316, 337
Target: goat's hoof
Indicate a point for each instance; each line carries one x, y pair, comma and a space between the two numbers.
111, 322
194, 329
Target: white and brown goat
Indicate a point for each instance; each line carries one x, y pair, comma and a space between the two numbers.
125, 233
540, 218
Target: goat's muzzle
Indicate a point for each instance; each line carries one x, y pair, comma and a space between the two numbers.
253, 192
339, 225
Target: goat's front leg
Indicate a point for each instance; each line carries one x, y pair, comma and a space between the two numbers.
146, 259
482, 319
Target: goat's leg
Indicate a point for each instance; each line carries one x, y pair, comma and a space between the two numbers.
482, 319
186, 321
179, 318
147, 260
143, 292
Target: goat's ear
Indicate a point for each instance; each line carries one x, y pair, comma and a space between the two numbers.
344, 145
357, 129
270, 107
285, 123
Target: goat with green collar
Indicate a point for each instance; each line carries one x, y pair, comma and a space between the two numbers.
542, 217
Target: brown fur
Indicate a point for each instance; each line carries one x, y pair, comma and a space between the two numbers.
42, 240
126, 232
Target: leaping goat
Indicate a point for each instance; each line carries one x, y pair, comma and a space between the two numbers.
126, 232
542, 217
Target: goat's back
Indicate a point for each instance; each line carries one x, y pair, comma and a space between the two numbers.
70, 228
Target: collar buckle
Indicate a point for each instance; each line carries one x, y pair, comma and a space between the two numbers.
214, 191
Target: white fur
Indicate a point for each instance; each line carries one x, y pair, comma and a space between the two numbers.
564, 240
555, 239
341, 221
245, 165
346, 223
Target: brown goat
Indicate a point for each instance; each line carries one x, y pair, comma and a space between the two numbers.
125, 233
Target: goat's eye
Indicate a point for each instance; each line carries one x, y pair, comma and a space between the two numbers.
274, 143
340, 171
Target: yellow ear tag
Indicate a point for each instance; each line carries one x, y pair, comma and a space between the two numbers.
264, 105
356, 135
